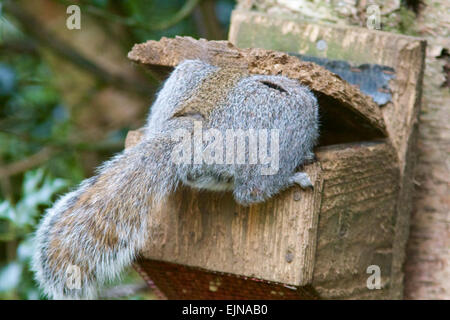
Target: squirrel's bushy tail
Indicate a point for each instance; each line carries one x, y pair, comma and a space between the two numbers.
92, 233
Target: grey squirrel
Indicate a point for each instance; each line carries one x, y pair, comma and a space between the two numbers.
102, 225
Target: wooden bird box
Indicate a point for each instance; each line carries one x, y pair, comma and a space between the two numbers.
302, 244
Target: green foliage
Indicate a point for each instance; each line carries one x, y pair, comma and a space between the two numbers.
19, 220
37, 190
32, 117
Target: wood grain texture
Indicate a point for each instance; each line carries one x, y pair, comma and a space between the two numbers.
326, 237
427, 269
274, 241
356, 220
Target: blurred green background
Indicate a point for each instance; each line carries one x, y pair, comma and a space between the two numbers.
67, 100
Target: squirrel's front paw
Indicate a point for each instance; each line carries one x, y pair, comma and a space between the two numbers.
302, 179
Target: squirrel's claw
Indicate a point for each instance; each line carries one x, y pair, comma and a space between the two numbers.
302, 179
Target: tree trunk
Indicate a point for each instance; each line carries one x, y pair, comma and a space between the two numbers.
427, 266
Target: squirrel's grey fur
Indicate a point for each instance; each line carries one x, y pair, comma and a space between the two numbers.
101, 226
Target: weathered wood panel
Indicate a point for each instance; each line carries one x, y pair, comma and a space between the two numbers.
356, 220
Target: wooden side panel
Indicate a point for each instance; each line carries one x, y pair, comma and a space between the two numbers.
356, 221
274, 241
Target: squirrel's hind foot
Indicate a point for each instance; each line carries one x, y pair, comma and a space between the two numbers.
302, 179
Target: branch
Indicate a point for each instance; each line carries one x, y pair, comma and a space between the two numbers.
5, 186
79, 145
208, 15
47, 152
18, 46
23, 165
33, 27
185, 11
